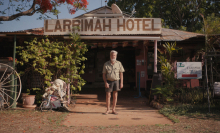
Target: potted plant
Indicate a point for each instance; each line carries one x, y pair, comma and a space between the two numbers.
30, 96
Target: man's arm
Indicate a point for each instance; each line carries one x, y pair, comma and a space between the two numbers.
121, 77
105, 81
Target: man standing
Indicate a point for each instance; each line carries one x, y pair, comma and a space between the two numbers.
112, 73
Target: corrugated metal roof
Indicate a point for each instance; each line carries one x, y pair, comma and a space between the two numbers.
177, 35
166, 34
20, 31
35, 31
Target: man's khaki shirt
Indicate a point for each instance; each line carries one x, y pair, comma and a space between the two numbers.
112, 71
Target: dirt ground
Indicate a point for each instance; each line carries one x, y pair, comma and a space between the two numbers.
131, 111
21, 121
86, 116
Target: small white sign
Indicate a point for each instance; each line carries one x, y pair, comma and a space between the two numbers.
189, 70
138, 62
142, 74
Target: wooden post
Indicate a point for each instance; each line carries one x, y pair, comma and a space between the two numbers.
14, 82
155, 62
207, 88
68, 93
155, 56
145, 67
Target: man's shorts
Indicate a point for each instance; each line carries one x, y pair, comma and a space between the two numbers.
113, 86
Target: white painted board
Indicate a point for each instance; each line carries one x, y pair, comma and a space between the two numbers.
189, 70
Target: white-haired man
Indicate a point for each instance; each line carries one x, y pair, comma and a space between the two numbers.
112, 73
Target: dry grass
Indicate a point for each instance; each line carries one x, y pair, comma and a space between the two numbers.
35, 121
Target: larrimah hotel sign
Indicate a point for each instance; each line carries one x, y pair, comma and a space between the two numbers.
103, 26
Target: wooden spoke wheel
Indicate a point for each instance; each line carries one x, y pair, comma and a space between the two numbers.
10, 86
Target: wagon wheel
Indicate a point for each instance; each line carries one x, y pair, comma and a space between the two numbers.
9, 93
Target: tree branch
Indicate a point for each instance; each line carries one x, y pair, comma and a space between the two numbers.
29, 12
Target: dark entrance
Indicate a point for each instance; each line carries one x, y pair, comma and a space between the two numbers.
98, 56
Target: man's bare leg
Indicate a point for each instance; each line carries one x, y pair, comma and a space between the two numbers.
108, 97
115, 96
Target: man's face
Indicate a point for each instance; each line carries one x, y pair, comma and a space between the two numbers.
113, 56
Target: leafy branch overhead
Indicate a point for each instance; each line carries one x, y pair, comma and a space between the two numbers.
18, 8
56, 59
211, 29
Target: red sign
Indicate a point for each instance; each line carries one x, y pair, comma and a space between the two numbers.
189, 75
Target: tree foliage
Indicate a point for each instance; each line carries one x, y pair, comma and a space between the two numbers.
175, 14
18, 8
211, 29
56, 59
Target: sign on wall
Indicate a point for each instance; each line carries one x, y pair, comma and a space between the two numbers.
103, 26
189, 70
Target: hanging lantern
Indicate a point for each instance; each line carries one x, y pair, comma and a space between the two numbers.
114, 45
135, 43
104, 44
125, 43
94, 45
